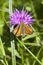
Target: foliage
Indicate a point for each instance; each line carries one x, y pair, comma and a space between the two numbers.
25, 50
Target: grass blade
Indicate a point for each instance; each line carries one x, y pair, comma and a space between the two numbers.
13, 53
29, 51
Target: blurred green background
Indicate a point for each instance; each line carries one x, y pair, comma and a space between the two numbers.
27, 50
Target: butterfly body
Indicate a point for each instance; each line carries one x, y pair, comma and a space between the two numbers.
22, 29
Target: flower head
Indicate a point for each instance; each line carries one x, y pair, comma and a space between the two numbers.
21, 16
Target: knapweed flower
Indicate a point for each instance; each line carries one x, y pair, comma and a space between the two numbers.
21, 16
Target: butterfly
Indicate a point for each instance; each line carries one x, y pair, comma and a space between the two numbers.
22, 29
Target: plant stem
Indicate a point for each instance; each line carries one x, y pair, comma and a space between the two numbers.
30, 52
12, 37
37, 55
13, 53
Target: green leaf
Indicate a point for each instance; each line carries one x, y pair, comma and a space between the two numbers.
16, 52
27, 61
28, 8
42, 60
2, 62
1, 26
42, 2
2, 51
31, 36
29, 51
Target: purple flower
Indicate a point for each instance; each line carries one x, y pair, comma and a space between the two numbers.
21, 16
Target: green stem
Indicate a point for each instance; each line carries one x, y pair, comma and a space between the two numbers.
13, 53
37, 55
30, 52
12, 37
10, 7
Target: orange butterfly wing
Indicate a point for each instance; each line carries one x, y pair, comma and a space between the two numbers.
28, 29
17, 31
22, 29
